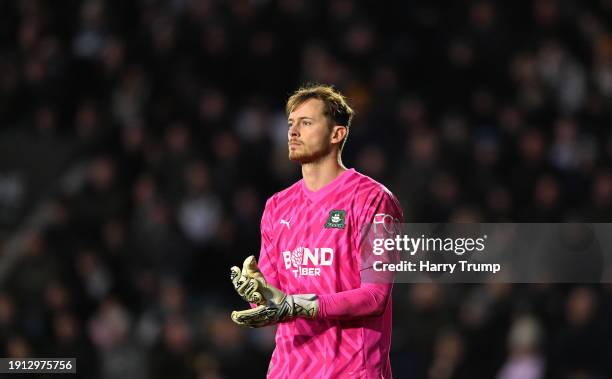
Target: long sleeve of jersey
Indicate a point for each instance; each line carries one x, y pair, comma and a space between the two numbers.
368, 300
267, 258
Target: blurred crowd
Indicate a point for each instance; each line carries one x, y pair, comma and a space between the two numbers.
477, 110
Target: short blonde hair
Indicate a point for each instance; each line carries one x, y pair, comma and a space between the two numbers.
335, 106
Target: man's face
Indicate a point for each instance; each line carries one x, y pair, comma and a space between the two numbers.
309, 132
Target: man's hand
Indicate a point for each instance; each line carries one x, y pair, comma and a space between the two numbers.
275, 305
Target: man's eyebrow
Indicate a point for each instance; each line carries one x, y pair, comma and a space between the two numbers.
301, 118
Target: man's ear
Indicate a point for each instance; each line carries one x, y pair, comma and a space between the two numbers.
338, 133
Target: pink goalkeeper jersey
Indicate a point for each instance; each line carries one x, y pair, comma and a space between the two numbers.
310, 244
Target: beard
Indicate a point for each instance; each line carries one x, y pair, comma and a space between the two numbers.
303, 155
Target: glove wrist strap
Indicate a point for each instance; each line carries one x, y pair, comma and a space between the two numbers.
304, 305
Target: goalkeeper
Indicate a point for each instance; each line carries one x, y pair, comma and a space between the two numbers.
331, 324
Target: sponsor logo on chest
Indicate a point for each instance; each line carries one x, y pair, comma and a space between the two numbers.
304, 261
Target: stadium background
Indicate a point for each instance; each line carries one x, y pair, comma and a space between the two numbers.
140, 140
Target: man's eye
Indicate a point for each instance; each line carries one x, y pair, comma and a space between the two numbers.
289, 126
307, 123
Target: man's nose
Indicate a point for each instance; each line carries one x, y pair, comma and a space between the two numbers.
293, 131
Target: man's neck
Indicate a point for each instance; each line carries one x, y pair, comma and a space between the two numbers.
322, 172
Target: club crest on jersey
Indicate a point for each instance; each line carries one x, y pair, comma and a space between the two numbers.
336, 219
307, 262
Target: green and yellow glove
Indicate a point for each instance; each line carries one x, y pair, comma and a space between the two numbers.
274, 305
245, 281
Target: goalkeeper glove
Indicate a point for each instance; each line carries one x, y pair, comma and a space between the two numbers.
276, 306
245, 282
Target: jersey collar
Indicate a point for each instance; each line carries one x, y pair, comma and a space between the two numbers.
315, 196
